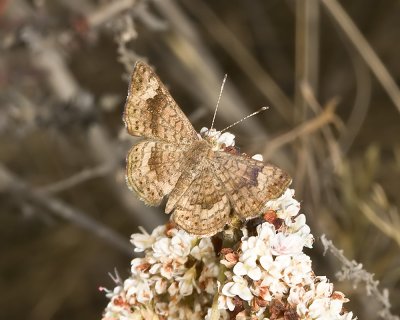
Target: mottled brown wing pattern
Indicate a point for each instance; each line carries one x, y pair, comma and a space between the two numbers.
204, 208
249, 183
151, 112
152, 170
203, 185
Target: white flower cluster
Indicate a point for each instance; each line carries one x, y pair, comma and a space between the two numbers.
271, 275
265, 274
176, 279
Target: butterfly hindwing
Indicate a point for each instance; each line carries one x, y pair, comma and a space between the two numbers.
152, 170
204, 208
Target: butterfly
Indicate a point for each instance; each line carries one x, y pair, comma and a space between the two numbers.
206, 183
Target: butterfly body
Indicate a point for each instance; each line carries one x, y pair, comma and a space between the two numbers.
205, 184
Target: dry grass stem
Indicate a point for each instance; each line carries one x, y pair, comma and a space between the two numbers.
324, 118
108, 11
250, 66
364, 49
385, 217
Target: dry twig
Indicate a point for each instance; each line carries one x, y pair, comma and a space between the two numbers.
354, 271
9, 182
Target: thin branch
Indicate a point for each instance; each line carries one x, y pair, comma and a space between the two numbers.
10, 182
75, 179
333, 147
354, 271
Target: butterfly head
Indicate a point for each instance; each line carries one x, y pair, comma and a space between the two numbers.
218, 140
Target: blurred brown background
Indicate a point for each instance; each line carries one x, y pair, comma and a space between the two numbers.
333, 123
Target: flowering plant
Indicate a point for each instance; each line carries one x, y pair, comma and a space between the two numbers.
258, 271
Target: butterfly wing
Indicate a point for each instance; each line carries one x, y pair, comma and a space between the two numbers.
249, 183
203, 208
153, 168
151, 112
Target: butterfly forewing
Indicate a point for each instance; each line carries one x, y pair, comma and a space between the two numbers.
151, 112
249, 183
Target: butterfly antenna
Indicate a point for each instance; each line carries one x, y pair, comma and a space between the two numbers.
219, 98
250, 115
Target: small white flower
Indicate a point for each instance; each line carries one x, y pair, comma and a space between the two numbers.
323, 288
228, 139
143, 241
267, 261
285, 206
239, 287
266, 232
258, 157
299, 227
289, 244
187, 282
161, 286
212, 133
169, 268
138, 265
181, 244
319, 309
138, 289
204, 250
207, 277
161, 248
261, 289
225, 302
253, 248
247, 269
299, 271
